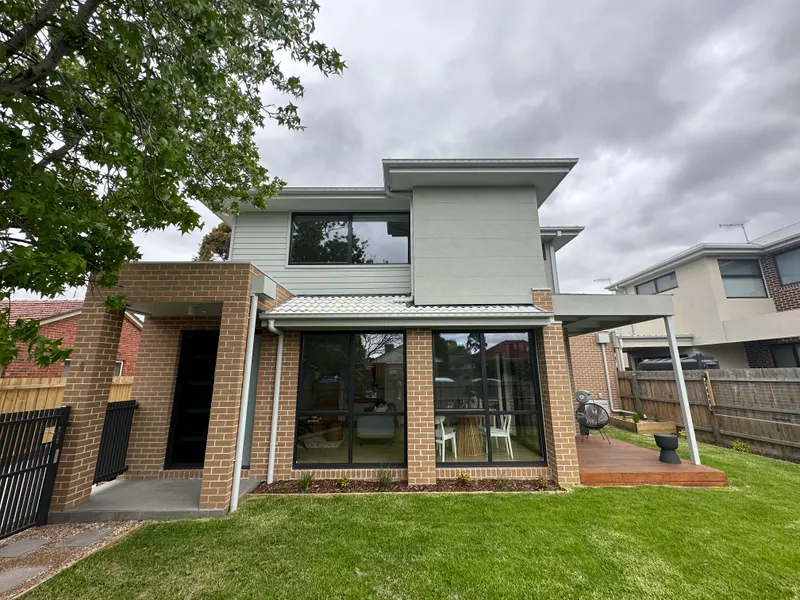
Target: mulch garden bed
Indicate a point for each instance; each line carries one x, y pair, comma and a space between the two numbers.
332, 486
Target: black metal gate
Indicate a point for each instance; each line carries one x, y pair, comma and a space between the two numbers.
113, 452
30, 443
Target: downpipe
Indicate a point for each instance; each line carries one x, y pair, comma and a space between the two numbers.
273, 433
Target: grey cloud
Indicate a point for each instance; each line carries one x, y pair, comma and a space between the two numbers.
684, 114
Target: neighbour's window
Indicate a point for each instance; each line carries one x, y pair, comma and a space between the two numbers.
351, 401
658, 285
786, 355
486, 398
354, 239
788, 264
742, 278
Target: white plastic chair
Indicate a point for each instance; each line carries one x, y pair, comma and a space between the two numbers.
503, 432
443, 434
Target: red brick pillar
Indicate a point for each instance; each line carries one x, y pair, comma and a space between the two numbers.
88, 385
215, 492
419, 415
559, 430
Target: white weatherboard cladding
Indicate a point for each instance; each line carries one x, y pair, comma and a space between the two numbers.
263, 238
476, 246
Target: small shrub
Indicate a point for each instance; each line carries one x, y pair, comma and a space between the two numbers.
657, 419
464, 477
682, 433
306, 479
503, 483
637, 416
542, 483
741, 446
343, 482
384, 479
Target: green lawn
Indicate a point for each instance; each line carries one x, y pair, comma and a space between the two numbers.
646, 542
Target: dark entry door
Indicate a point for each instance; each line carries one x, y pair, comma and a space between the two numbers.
191, 407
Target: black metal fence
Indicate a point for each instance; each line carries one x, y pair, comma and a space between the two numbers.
30, 443
112, 455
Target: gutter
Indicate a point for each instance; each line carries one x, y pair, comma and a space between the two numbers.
240, 435
276, 394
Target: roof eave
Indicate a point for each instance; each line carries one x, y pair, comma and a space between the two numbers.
386, 322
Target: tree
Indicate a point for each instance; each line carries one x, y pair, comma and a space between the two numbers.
114, 115
216, 244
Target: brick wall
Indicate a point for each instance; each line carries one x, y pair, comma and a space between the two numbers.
419, 376
759, 355
66, 329
786, 297
222, 286
586, 356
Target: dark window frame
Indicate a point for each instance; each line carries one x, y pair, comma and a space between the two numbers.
760, 274
342, 216
655, 281
778, 269
349, 413
486, 412
795, 346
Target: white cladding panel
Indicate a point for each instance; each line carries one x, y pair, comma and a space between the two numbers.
263, 239
476, 246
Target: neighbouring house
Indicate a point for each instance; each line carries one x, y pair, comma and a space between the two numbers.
739, 303
416, 327
59, 320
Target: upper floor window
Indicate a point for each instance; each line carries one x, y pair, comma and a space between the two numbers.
788, 264
742, 278
350, 239
658, 285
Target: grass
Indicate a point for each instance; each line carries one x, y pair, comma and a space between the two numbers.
654, 542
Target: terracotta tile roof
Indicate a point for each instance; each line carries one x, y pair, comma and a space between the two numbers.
41, 309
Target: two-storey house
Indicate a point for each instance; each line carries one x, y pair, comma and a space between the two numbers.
416, 327
737, 302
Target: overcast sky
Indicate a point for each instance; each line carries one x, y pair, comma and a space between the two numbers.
684, 114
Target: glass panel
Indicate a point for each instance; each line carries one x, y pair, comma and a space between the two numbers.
460, 438
319, 239
739, 267
324, 368
789, 266
379, 438
783, 355
744, 287
322, 439
646, 288
380, 239
457, 370
509, 376
515, 438
667, 282
379, 373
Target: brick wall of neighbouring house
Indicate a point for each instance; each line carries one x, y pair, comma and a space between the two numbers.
65, 330
587, 372
786, 297
759, 355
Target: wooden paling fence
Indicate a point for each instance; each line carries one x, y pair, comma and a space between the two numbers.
18, 395
759, 406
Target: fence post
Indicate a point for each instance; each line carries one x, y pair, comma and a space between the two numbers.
711, 404
637, 393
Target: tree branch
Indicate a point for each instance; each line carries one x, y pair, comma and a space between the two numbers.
17, 42
64, 45
59, 152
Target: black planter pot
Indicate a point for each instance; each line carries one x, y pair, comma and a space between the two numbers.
668, 444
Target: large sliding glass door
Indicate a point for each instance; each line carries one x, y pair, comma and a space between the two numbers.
486, 397
351, 401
